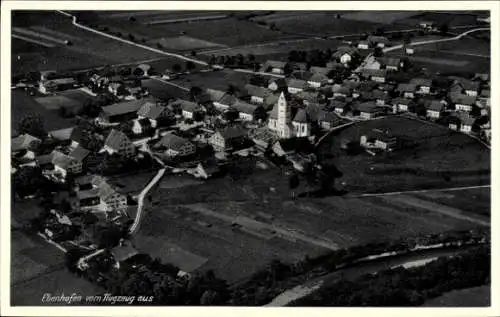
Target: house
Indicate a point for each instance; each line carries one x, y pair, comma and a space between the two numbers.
341, 91
296, 85
249, 112
463, 102
484, 98
338, 106
225, 102
379, 139
120, 112
372, 63
471, 88
277, 84
309, 97
344, 54
207, 169
276, 67
378, 41
118, 142
401, 104
380, 97
363, 45
188, 108
392, 63
454, 123
175, 146
377, 75
290, 146
299, 67
228, 138
145, 68
152, 112
55, 85
79, 153
141, 126
317, 80
328, 120
409, 50
65, 164
369, 110
423, 85
123, 252
61, 134
466, 124
435, 109
257, 94
407, 90
23, 142
116, 88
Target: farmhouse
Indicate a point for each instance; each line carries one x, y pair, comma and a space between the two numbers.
94, 192
454, 122
463, 102
435, 109
118, 142
344, 54
175, 146
423, 85
188, 108
55, 85
317, 80
249, 112
377, 75
296, 85
338, 106
309, 97
257, 94
363, 45
409, 50
22, 142
277, 84
378, 41
228, 138
328, 120
65, 164
380, 97
391, 63
471, 88
122, 253
402, 105
372, 63
378, 139
207, 169
341, 91
141, 126
407, 90
120, 112
275, 67
466, 124
152, 112
369, 110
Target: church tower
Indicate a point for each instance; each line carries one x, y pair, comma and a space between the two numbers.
284, 117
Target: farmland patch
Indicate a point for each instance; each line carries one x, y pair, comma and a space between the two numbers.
183, 43
383, 17
57, 102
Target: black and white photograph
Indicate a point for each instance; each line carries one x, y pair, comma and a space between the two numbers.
249, 158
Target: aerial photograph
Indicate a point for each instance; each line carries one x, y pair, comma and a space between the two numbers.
250, 158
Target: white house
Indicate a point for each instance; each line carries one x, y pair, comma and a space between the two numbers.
175, 146
435, 109
296, 85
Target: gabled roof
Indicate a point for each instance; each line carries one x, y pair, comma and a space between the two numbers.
256, 91
123, 107
426, 82
338, 104
374, 72
300, 66
185, 105
271, 99
308, 96
79, 153
274, 64
319, 70
377, 39
435, 105
245, 107
401, 101
62, 160
280, 82
341, 50
318, 78
123, 253
62, 134
463, 99
367, 107
151, 110
406, 88
228, 99
329, 117
470, 85
215, 95
300, 116
341, 89
296, 83
22, 142
232, 132
390, 61
115, 138
172, 142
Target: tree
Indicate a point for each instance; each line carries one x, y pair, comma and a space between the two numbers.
444, 28
131, 37
258, 80
231, 115
65, 206
108, 236
27, 181
231, 89
251, 58
293, 183
195, 92
377, 52
193, 53
158, 45
33, 125
190, 66
240, 59
176, 68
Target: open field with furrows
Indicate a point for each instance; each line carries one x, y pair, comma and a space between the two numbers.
464, 46
22, 104
87, 49
383, 17
440, 18
435, 150
195, 222
132, 184
469, 297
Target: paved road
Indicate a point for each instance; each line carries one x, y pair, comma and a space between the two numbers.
449, 189
458, 37
86, 28
169, 83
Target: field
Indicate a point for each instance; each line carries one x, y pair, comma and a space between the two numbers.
161, 90
437, 150
464, 46
23, 104
215, 80
196, 221
469, 297
132, 184
383, 17
183, 43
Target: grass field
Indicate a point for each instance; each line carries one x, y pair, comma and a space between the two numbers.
161, 90
469, 297
215, 80
463, 46
183, 43
437, 150
22, 104
132, 184
197, 218
383, 17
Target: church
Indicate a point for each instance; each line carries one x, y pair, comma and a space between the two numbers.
284, 124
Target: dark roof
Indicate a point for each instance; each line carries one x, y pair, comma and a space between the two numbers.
22, 142
377, 39
232, 132
271, 99
256, 91
379, 94
319, 70
144, 123
124, 252
401, 101
485, 93
171, 141
435, 105
308, 96
296, 83
187, 105
427, 82
123, 107
390, 61
62, 134
274, 113
333, 65
215, 95
115, 138
470, 85
341, 50
244, 107
329, 117
301, 116
367, 107
79, 153
385, 136
374, 72
338, 104
151, 110
280, 82
318, 78
228, 99
295, 144
463, 99
341, 89
274, 64
300, 66
62, 160
406, 88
